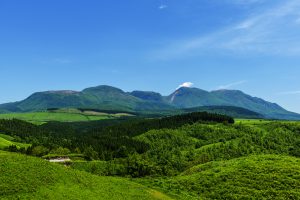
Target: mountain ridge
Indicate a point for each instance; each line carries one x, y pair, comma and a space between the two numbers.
112, 98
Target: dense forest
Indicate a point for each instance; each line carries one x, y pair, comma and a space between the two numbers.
105, 140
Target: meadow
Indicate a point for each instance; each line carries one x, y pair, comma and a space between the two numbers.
63, 115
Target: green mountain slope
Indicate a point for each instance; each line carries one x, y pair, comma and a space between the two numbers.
240, 99
100, 97
194, 97
24, 177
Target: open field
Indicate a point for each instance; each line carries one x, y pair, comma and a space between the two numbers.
71, 115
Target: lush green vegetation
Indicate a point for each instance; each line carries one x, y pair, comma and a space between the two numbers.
254, 177
105, 142
191, 156
24, 177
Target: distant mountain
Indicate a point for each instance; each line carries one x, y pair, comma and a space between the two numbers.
240, 99
110, 98
100, 97
194, 97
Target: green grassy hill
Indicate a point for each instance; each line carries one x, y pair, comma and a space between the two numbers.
254, 177
24, 177
6, 141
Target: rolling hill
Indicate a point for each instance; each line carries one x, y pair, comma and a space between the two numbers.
253, 177
27, 177
111, 98
192, 156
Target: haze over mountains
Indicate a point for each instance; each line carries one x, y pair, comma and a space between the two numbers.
110, 98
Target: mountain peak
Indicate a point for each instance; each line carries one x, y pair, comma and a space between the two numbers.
187, 97
103, 88
190, 89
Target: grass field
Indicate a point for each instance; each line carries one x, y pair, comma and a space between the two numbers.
61, 115
6, 141
25, 177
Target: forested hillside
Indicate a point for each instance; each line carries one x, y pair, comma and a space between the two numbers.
105, 141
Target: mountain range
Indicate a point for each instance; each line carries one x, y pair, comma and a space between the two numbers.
184, 99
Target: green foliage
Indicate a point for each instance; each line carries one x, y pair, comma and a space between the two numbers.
90, 153
61, 151
40, 151
101, 168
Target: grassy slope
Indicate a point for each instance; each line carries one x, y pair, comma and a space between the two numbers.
24, 177
6, 141
253, 177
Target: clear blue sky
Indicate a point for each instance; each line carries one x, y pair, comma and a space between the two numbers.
250, 45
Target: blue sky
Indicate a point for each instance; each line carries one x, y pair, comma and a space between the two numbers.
250, 45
